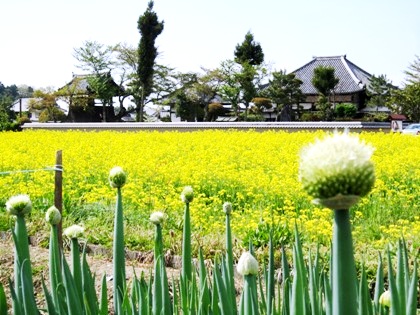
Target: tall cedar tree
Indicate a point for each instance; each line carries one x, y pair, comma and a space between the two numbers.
249, 51
149, 28
249, 55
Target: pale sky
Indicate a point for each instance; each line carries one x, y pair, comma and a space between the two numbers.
38, 37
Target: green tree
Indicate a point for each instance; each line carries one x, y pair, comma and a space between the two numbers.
324, 81
46, 102
150, 28
230, 88
413, 72
99, 61
379, 91
250, 56
407, 100
8, 94
186, 108
284, 90
249, 51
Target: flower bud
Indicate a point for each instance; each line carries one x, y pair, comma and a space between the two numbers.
385, 299
19, 205
337, 170
53, 215
187, 194
117, 177
227, 208
247, 264
157, 217
74, 231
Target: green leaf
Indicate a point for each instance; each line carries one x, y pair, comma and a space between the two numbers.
225, 306
17, 306
205, 299
88, 288
270, 276
73, 303
29, 303
379, 285
412, 292
395, 300
328, 295
104, 297
48, 299
402, 273
3, 301
365, 304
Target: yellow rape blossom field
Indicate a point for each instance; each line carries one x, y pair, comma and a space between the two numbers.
256, 171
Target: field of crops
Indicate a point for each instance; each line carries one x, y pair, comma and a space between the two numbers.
256, 171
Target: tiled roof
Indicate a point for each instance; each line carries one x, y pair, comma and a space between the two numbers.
352, 78
80, 84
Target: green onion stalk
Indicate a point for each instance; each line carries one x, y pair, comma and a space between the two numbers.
227, 209
53, 217
24, 300
337, 172
187, 197
161, 303
117, 179
248, 268
74, 232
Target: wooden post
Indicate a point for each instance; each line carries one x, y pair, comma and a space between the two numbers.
58, 192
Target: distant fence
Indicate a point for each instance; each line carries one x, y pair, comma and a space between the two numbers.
193, 126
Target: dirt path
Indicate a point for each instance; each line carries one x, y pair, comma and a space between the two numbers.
99, 260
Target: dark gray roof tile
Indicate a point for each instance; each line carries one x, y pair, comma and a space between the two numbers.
351, 77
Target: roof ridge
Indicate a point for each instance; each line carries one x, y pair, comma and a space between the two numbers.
328, 57
350, 71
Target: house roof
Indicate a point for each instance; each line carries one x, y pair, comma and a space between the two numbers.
80, 84
351, 77
25, 101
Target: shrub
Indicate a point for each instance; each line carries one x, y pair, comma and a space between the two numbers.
347, 110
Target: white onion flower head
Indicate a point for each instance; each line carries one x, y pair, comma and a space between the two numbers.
74, 231
385, 299
117, 177
157, 217
247, 264
227, 208
336, 166
19, 205
187, 194
53, 215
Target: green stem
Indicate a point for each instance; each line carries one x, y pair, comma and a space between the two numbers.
76, 267
343, 270
55, 266
229, 262
22, 255
186, 245
119, 254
